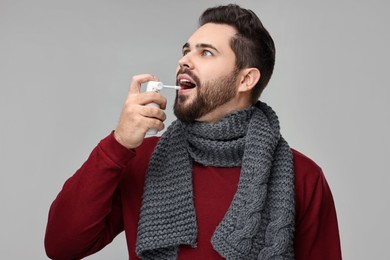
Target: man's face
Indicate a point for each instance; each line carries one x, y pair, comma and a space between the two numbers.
206, 73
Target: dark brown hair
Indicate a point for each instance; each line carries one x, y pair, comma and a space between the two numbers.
252, 45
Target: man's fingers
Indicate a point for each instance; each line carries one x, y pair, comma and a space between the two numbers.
138, 80
153, 112
147, 98
154, 123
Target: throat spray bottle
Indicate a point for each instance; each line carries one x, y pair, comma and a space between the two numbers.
156, 86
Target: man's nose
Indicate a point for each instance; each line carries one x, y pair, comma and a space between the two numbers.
186, 61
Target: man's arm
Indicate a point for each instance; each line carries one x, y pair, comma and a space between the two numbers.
87, 215
317, 233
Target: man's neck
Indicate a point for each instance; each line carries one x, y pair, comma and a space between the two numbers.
221, 111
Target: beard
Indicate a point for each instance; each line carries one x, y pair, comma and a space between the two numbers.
209, 96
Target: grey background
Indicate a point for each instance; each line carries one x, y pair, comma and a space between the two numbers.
65, 67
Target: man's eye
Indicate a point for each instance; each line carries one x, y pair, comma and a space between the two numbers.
185, 52
207, 53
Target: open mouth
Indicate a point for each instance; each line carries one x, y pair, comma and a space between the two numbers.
186, 84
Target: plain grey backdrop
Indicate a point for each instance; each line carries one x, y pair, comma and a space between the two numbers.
65, 67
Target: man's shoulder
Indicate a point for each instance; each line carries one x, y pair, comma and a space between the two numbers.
305, 168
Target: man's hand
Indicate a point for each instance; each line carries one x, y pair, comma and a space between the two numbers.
136, 118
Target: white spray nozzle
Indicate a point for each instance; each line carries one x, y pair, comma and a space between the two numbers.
157, 86
173, 87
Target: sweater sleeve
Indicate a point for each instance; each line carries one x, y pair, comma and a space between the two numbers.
86, 215
317, 234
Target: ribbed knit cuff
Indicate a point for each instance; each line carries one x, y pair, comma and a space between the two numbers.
115, 151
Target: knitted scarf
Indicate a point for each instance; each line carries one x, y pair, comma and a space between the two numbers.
259, 223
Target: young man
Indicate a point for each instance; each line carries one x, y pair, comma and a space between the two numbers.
220, 183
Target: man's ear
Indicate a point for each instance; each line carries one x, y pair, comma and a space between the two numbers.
248, 79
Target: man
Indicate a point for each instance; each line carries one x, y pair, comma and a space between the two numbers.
220, 183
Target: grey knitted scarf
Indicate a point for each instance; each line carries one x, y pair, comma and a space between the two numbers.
259, 223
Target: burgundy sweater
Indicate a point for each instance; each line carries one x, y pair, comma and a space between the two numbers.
104, 196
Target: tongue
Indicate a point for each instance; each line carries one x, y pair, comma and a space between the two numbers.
187, 85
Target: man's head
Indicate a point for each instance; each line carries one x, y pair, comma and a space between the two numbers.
228, 61
252, 45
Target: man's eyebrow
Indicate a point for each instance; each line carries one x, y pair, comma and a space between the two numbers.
186, 45
201, 45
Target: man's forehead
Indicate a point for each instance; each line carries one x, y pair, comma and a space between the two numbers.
212, 34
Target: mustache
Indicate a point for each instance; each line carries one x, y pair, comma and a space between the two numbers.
189, 73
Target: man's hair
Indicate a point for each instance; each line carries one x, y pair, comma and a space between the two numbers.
252, 45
